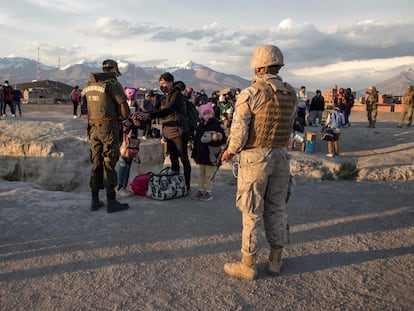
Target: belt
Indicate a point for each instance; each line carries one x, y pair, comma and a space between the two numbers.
101, 122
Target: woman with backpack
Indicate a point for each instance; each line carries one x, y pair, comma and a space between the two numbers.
331, 131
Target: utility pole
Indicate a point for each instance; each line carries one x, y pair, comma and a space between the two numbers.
38, 65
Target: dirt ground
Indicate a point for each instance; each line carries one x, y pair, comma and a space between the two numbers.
352, 242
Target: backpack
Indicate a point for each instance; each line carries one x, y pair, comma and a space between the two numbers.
129, 147
336, 120
192, 116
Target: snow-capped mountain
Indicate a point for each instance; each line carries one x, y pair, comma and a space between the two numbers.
20, 70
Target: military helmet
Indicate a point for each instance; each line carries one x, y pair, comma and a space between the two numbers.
409, 87
266, 55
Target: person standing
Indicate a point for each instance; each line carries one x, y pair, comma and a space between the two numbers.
260, 131
302, 104
8, 98
334, 122
1, 102
371, 102
349, 98
17, 97
209, 138
107, 107
175, 128
317, 107
76, 96
407, 106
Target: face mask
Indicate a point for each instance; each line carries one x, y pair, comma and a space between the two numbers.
164, 89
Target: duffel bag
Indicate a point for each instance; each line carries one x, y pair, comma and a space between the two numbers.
166, 185
140, 183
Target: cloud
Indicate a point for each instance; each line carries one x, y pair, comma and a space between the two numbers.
377, 65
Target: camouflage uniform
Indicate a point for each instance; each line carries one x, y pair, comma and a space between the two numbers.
407, 106
260, 132
107, 106
371, 103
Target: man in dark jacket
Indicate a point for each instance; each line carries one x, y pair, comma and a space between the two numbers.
175, 129
17, 96
317, 107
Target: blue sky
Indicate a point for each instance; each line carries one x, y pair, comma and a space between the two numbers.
325, 43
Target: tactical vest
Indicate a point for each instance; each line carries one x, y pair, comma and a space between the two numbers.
408, 98
101, 106
272, 124
372, 101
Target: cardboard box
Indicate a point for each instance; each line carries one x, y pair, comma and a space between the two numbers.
310, 136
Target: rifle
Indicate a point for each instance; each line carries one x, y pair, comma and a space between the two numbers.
218, 162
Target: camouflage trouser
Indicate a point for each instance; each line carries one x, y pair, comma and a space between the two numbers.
104, 155
372, 114
263, 183
406, 111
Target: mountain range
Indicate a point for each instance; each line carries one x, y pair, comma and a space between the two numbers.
20, 70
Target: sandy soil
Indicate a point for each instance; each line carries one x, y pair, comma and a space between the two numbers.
352, 242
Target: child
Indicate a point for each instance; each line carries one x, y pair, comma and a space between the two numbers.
334, 121
297, 135
125, 162
129, 129
208, 140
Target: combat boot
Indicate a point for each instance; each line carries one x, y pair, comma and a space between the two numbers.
275, 259
113, 205
96, 204
373, 124
244, 269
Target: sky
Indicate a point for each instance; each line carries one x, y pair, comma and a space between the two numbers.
325, 43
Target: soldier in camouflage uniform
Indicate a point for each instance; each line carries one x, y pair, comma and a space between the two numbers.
107, 107
371, 103
262, 124
407, 106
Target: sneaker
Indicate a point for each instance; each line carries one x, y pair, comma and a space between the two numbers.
13, 115
206, 196
330, 155
198, 195
75, 116
124, 192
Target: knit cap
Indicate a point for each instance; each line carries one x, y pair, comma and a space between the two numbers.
206, 107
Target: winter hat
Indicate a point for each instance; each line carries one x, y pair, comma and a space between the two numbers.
206, 107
